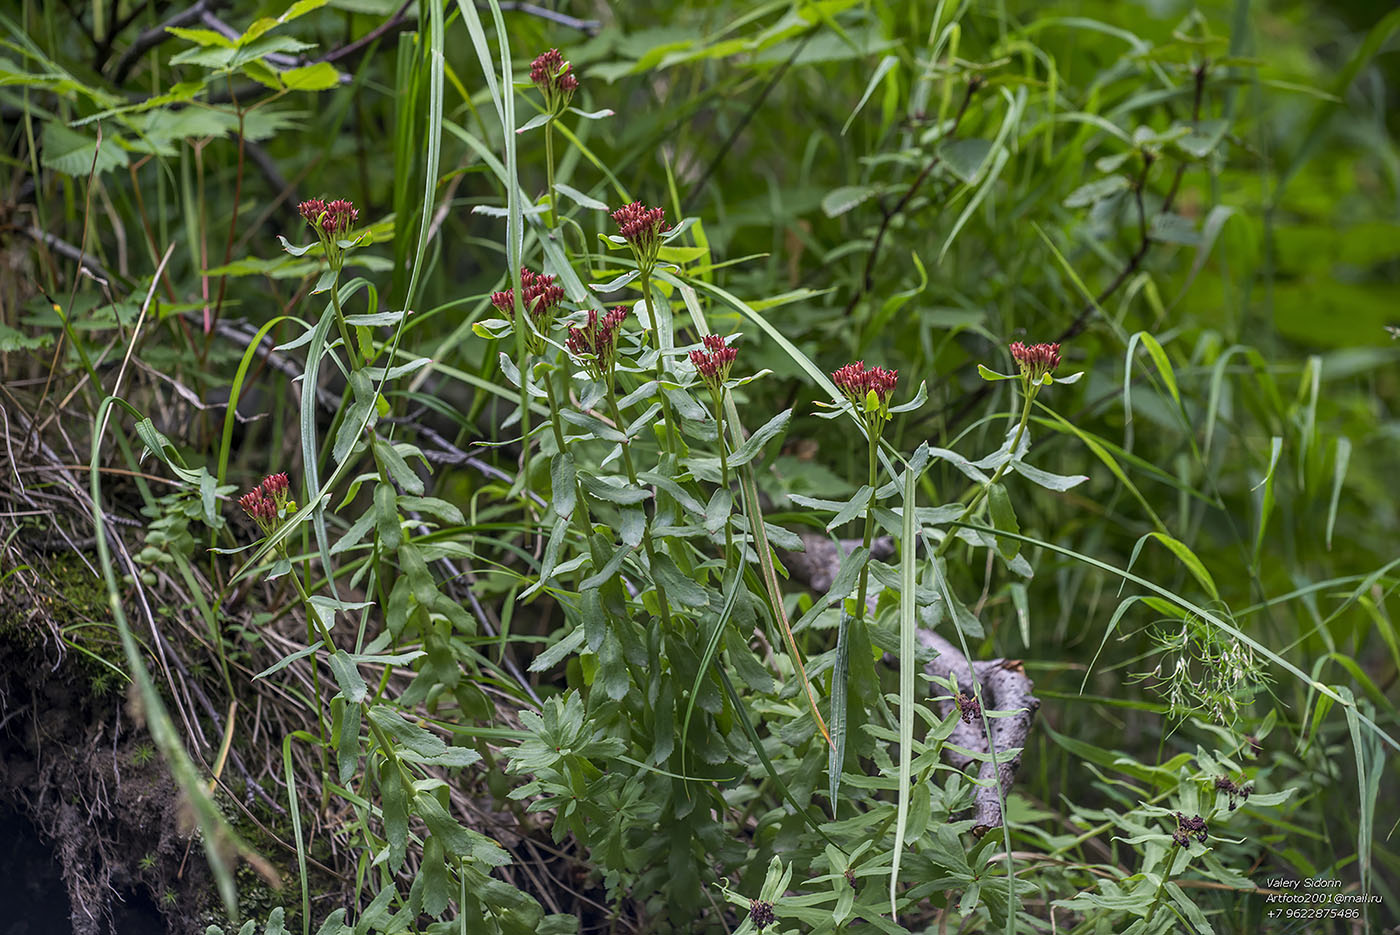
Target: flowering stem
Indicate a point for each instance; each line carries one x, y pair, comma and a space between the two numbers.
656, 336
869, 521
554, 411
724, 471
1028, 394
581, 508
549, 171
354, 357
646, 531
1161, 886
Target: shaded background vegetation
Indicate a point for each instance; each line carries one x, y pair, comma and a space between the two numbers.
1200, 201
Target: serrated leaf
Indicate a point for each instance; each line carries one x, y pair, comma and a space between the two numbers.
321, 76
554, 654
1059, 482
563, 487
201, 37
612, 491
398, 468
71, 153
347, 676
613, 285
285, 661
856, 506
417, 744
680, 588
1173, 228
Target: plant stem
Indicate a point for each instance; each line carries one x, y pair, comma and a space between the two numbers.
549, 171
869, 520
554, 411
646, 529
351, 353
1029, 397
656, 341
724, 475
1157, 896
581, 504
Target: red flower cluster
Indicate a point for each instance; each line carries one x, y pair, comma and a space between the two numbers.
637, 223
968, 708
538, 294
595, 344
1037, 360
541, 298
555, 79
335, 217
642, 228
856, 382
265, 502
1186, 828
1233, 789
761, 913
549, 70
714, 361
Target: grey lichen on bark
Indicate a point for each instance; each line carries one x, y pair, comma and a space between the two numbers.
1001, 683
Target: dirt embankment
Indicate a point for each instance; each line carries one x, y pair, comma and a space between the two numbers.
94, 839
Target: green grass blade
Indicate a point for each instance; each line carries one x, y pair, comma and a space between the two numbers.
294, 812
840, 673
315, 352
754, 513
747, 726
908, 629
1339, 473
216, 831
711, 647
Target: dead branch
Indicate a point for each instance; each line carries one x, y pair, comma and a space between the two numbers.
999, 684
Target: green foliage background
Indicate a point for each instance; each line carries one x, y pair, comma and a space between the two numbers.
1200, 201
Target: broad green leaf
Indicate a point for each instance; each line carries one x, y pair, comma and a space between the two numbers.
72, 153
321, 76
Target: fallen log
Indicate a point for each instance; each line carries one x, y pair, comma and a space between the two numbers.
1001, 684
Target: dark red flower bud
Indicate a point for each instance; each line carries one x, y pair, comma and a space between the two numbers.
595, 344
1188, 827
1037, 360
642, 228
260, 509
311, 210
251, 502
274, 489
761, 913
555, 79
264, 503
856, 382
341, 216
714, 362
969, 709
541, 298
